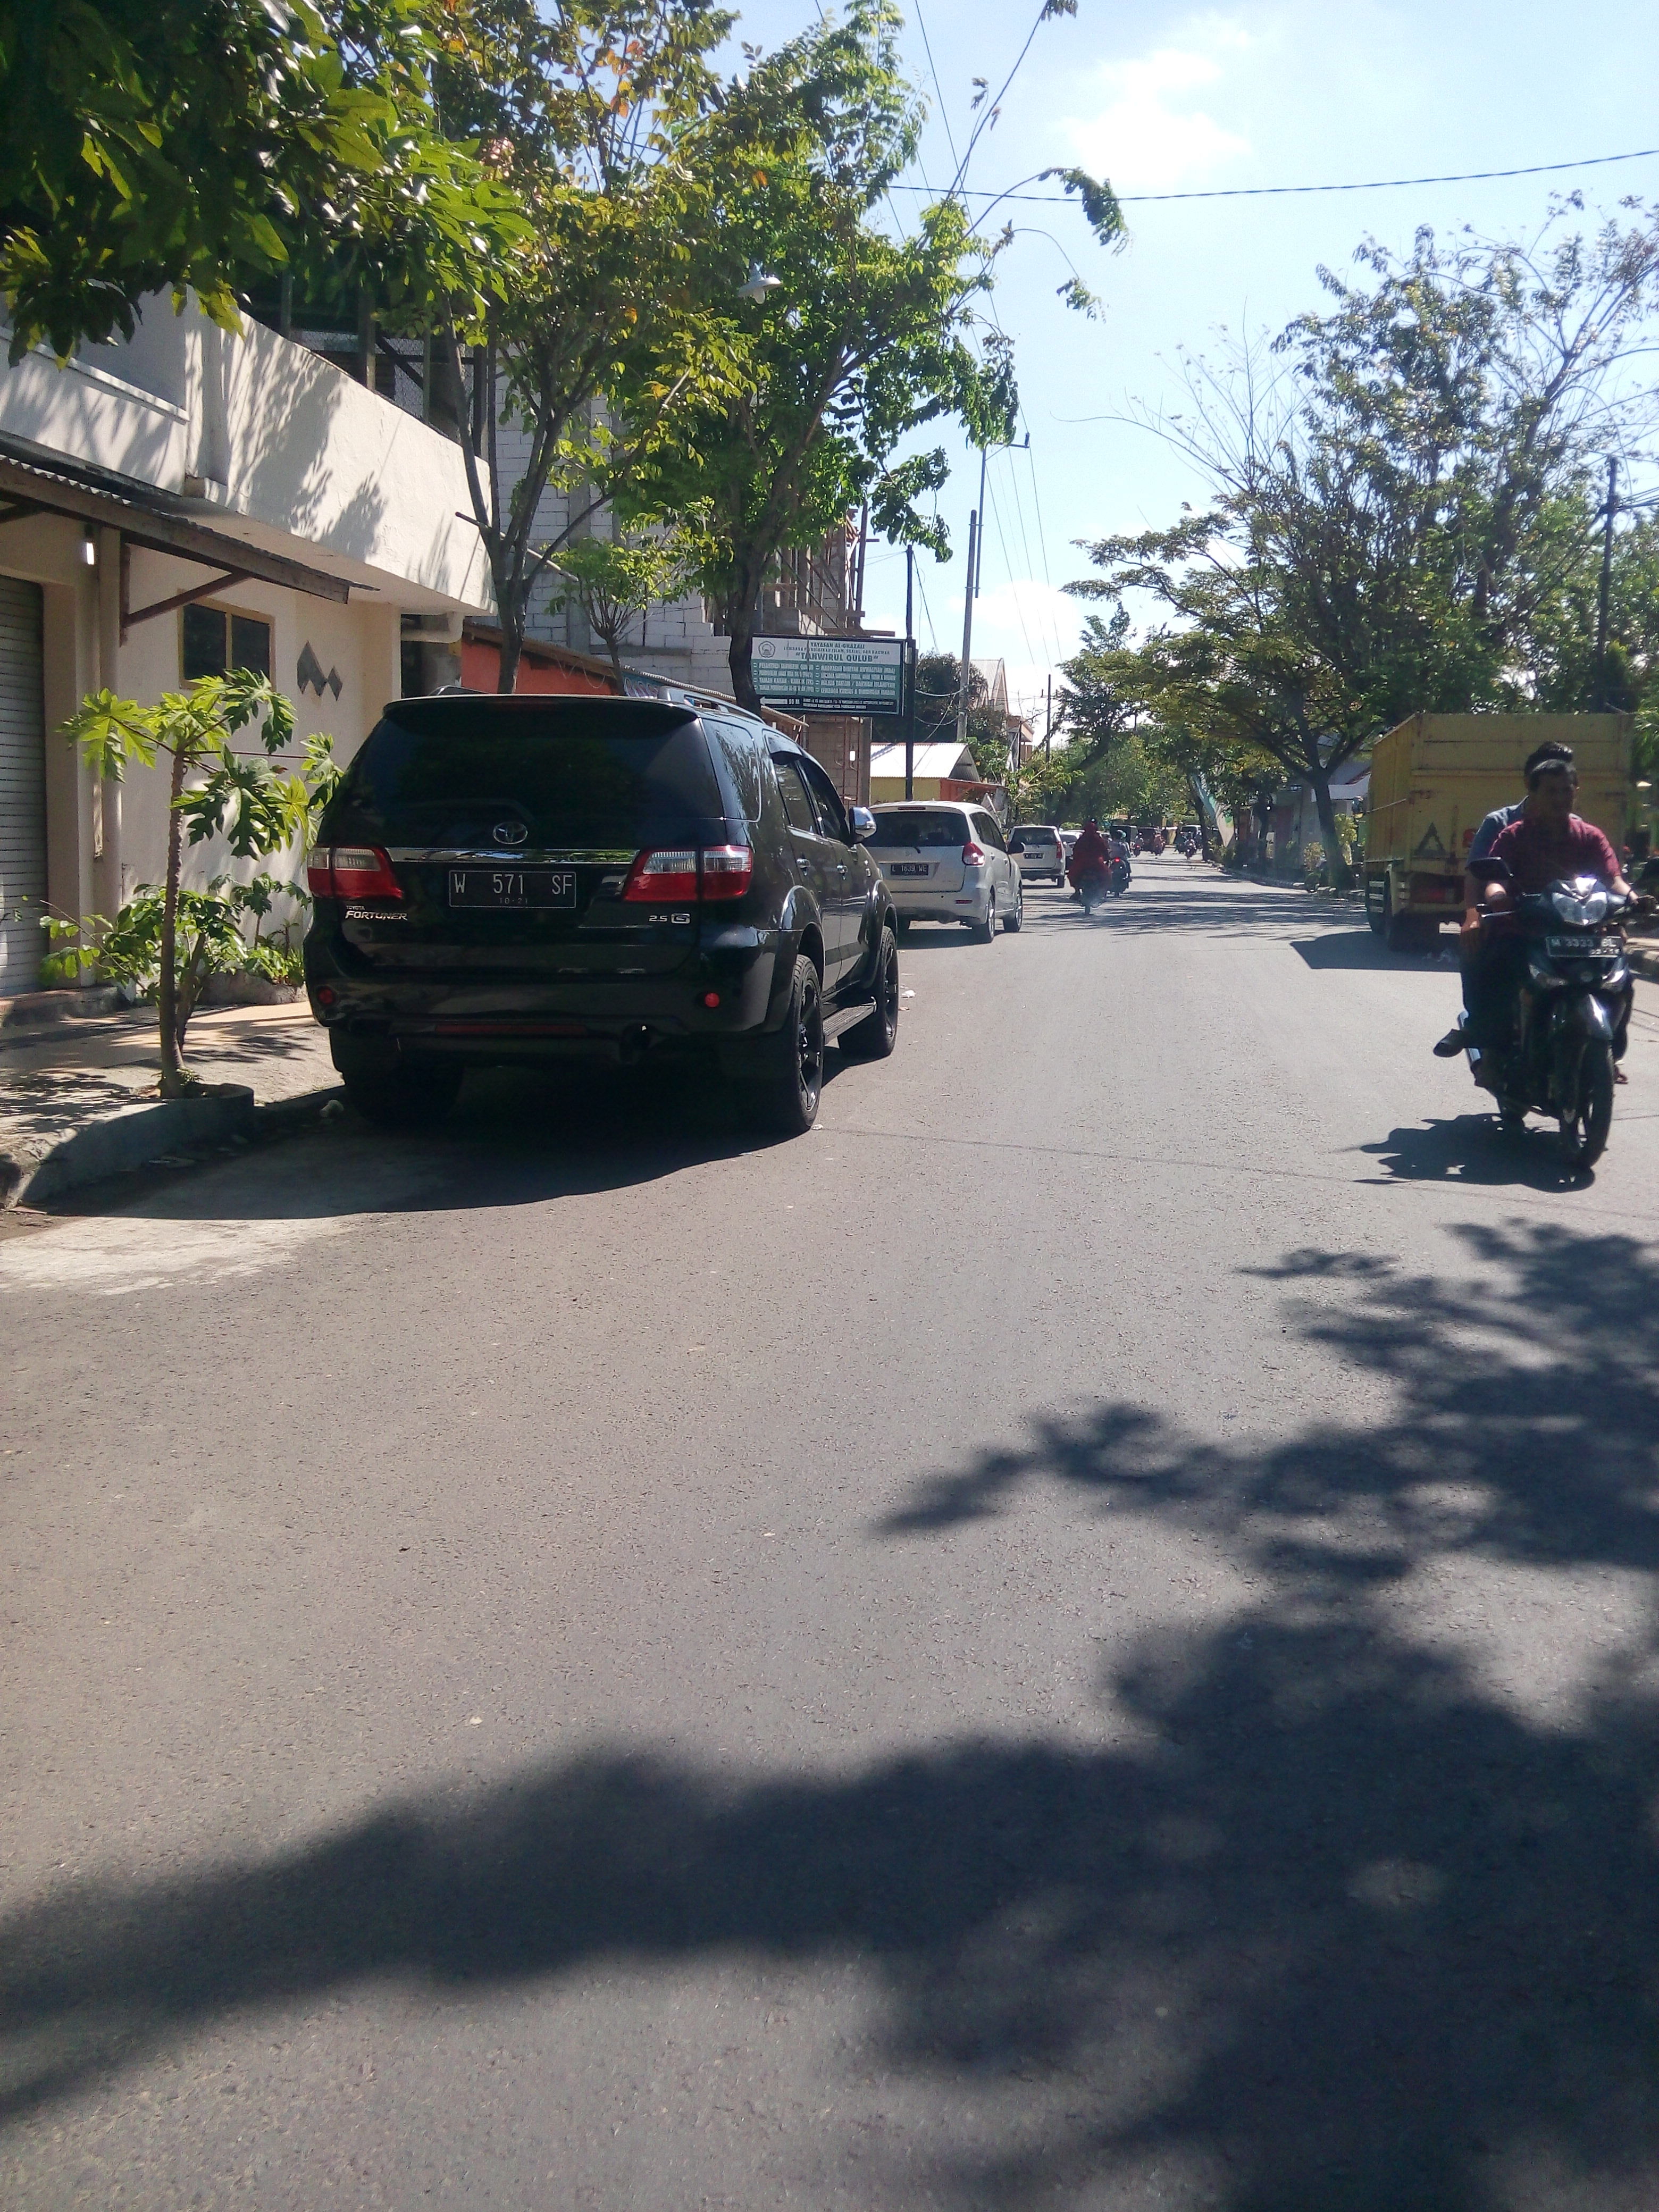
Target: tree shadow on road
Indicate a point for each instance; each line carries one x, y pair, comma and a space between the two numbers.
1348, 1927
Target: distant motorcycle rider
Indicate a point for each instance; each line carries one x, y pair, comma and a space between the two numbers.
1090, 855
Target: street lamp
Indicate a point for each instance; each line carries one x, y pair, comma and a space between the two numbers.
759, 284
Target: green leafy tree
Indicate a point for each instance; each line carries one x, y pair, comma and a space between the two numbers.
258, 809
180, 145
1396, 491
867, 339
591, 111
614, 580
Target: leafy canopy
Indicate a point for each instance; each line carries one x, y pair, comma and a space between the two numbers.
866, 338
161, 145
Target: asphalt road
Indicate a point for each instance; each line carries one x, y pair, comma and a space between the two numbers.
1083, 1636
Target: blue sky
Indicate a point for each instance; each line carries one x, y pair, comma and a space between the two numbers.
1170, 98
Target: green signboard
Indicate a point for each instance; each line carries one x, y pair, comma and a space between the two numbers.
830, 675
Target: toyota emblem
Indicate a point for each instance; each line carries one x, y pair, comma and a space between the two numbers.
510, 833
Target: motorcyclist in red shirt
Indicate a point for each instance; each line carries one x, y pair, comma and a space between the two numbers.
1548, 844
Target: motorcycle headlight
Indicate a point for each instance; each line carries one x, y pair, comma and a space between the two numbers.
1569, 908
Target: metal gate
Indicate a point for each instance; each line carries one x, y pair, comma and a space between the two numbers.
23, 787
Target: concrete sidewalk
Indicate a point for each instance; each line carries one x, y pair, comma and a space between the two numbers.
77, 1099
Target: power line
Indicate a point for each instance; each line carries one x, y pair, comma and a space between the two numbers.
943, 111
927, 612
1275, 191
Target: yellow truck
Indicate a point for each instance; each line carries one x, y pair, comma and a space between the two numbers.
1435, 778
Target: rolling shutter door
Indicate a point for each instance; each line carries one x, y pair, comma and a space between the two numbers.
23, 787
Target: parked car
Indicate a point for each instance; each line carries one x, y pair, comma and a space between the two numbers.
945, 860
1037, 849
531, 879
1069, 838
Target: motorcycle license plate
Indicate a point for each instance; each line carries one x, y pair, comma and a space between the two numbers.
1580, 948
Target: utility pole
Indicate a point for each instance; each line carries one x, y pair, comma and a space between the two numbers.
910, 674
976, 563
1606, 590
1049, 720
967, 630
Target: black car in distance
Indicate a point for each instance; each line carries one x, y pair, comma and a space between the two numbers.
532, 878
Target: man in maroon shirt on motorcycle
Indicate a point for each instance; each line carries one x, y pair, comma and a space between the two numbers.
1549, 844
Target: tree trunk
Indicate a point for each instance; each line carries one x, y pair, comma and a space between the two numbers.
1334, 861
740, 659
1203, 820
511, 622
174, 1081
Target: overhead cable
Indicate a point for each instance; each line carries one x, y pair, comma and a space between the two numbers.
1275, 191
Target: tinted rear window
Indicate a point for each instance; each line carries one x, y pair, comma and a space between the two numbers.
579, 774
746, 756
922, 829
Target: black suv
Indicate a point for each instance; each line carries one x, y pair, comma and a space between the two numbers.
531, 879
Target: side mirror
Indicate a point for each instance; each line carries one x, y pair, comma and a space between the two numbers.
1489, 871
863, 823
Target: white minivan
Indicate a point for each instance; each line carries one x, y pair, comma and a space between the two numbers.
1037, 846
944, 860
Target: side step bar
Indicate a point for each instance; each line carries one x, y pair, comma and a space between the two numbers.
845, 1016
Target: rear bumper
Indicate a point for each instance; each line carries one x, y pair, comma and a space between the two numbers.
913, 904
613, 1016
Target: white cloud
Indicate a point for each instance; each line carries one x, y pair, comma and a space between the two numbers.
1149, 137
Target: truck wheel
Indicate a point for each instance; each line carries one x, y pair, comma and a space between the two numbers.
786, 1096
1402, 932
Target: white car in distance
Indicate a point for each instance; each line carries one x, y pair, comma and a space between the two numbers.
943, 859
1037, 846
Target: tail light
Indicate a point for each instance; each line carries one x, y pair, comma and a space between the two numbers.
718, 872
727, 871
351, 871
656, 876
972, 854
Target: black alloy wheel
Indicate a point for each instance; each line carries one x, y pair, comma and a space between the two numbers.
874, 1037
789, 1097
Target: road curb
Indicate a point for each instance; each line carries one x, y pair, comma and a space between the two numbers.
139, 1135
1645, 959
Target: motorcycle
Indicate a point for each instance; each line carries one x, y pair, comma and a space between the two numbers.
1571, 1015
1100, 884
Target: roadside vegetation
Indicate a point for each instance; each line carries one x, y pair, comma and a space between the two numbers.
1414, 502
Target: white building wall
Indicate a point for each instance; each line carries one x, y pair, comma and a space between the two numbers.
263, 441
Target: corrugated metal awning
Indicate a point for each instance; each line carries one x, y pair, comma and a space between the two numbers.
34, 480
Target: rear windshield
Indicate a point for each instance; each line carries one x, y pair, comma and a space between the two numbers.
921, 828
580, 774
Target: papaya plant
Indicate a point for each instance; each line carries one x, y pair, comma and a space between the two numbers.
256, 807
